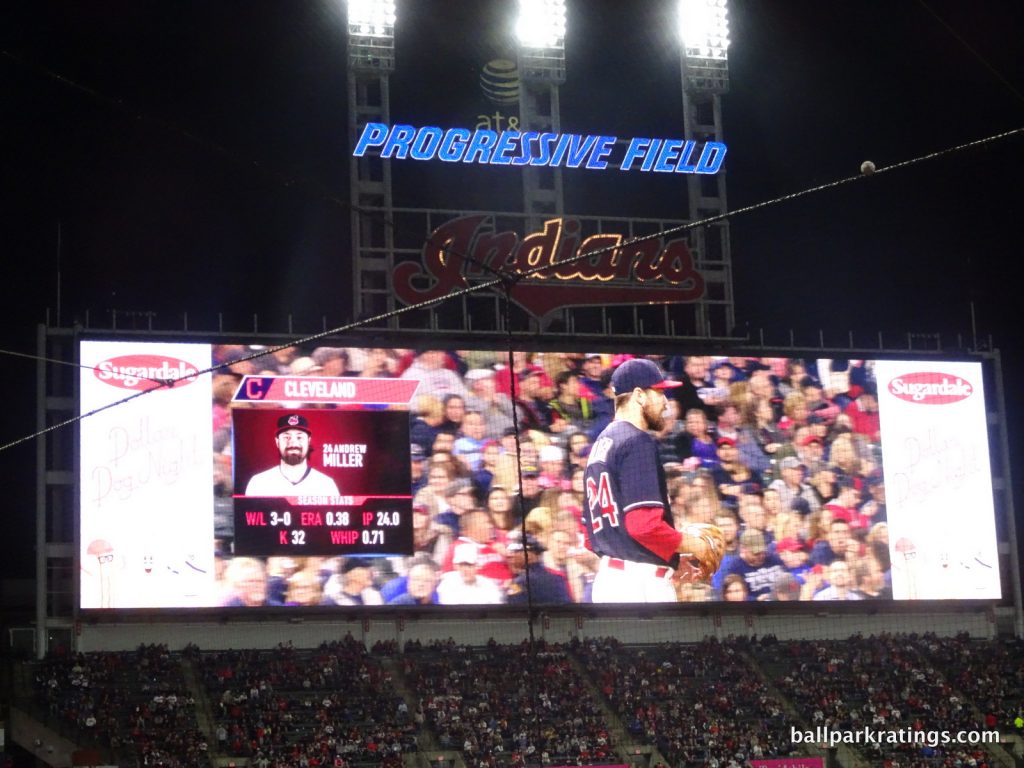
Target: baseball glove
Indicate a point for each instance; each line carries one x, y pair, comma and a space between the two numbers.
701, 564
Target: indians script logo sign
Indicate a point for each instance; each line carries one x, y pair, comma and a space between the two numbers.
466, 250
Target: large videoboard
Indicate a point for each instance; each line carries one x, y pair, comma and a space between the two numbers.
345, 476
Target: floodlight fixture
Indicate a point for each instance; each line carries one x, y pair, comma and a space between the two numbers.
540, 30
704, 32
371, 34
541, 23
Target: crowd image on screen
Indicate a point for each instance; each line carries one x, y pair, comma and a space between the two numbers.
783, 454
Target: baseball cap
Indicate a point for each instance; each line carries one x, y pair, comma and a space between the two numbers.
786, 587
532, 544
845, 481
323, 355
528, 372
817, 467
293, 421
464, 554
302, 366
726, 441
641, 373
840, 514
751, 489
812, 439
592, 355
800, 505
479, 373
789, 544
753, 540
352, 563
551, 453
790, 462
416, 452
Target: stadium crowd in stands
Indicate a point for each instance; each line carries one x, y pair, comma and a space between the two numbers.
783, 454
136, 704
330, 706
714, 704
699, 705
546, 714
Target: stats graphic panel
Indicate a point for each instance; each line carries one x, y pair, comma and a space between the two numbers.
316, 482
237, 476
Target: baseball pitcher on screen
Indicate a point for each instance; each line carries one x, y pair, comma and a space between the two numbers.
627, 516
293, 475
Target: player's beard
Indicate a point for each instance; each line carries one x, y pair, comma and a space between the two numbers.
654, 418
294, 456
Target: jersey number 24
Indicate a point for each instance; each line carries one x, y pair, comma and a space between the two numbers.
601, 503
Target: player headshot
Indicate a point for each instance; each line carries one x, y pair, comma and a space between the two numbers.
292, 475
627, 514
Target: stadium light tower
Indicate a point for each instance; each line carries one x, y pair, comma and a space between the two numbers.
540, 29
540, 32
704, 31
371, 34
371, 60
704, 60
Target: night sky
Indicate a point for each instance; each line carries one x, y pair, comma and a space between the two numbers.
193, 156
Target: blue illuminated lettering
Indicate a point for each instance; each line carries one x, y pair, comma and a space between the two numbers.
453, 145
506, 143
373, 136
424, 146
579, 148
603, 148
480, 146
637, 149
561, 148
524, 142
651, 156
544, 144
684, 159
533, 148
711, 158
398, 140
669, 151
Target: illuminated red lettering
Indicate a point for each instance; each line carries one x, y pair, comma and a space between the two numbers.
649, 271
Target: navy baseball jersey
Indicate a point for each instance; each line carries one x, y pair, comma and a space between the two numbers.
623, 473
760, 578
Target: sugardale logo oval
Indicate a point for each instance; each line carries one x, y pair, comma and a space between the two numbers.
141, 372
930, 388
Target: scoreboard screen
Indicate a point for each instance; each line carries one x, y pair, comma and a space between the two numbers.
241, 476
